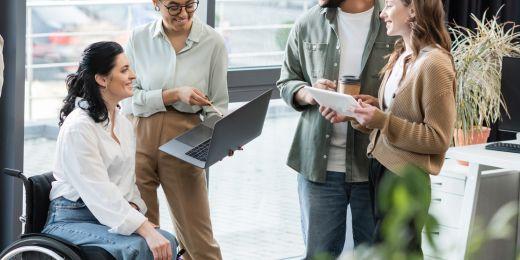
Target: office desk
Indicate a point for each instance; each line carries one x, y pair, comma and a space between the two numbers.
463, 194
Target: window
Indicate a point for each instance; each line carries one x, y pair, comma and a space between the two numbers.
253, 195
256, 31
255, 185
58, 31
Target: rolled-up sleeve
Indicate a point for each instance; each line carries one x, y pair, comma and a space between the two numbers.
137, 200
291, 76
86, 172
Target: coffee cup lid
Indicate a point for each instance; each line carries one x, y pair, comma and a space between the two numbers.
347, 79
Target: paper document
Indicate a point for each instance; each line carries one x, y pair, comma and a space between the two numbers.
341, 103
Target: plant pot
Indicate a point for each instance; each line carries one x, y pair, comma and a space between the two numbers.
475, 136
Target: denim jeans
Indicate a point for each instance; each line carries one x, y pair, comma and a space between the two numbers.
324, 211
73, 221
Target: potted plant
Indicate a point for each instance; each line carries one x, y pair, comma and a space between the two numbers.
478, 57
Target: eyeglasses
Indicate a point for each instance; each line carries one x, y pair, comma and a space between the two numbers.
175, 9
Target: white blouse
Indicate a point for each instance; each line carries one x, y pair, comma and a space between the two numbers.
395, 78
91, 165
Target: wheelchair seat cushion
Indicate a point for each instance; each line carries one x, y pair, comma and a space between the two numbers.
94, 253
37, 201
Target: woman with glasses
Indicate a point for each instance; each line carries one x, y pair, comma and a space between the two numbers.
181, 67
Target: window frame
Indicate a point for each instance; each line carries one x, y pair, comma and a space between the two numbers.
246, 83
12, 27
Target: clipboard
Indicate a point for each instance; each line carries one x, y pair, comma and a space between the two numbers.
343, 104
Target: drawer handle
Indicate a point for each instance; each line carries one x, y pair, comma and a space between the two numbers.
437, 183
437, 200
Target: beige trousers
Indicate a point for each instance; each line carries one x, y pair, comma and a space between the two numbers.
184, 185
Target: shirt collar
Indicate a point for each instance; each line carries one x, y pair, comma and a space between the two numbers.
195, 32
81, 103
330, 12
158, 28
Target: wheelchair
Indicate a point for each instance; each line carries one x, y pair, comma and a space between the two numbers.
35, 245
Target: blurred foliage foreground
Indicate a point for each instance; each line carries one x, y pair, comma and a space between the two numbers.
406, 199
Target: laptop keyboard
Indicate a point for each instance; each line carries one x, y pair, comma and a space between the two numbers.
200, 152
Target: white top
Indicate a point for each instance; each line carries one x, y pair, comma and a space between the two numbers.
394, 80
1, 64
91, 165
353, 32
201, 64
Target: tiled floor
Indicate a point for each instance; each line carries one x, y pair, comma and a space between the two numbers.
253, 195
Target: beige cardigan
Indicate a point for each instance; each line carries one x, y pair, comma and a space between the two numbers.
417, 128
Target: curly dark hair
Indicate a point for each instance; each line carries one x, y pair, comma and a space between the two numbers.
97, 59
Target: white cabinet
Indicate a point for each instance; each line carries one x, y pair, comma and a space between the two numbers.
446, 241
456, 204
446, 208
446, 205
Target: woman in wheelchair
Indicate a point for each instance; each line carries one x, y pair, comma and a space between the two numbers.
94, 200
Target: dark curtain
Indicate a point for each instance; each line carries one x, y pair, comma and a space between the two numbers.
459, 10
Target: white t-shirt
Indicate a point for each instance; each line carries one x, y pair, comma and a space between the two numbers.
353, 33
393, 81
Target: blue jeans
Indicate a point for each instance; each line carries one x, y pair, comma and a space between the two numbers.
73, 221
324, 211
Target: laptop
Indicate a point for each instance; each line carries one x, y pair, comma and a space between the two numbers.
211, 140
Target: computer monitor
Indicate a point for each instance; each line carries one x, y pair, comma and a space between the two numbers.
509, 126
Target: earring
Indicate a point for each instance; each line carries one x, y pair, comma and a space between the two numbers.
157, 8
412, 22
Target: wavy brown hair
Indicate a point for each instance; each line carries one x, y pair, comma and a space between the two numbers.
97, 58
428, 28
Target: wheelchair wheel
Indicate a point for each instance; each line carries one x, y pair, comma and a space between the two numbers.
39, 248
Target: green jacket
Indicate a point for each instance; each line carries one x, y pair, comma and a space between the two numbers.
312, 53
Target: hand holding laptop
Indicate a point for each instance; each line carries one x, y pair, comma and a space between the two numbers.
232, 152
212, 140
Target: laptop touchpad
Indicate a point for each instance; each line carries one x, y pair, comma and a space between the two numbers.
196, 135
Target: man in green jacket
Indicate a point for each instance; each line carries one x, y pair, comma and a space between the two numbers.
334, 39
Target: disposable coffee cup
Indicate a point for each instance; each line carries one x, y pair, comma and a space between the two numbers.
349, 85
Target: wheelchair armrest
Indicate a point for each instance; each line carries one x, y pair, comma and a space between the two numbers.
15, 173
